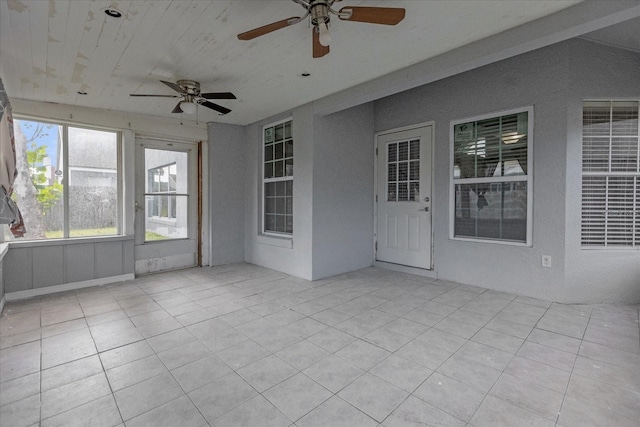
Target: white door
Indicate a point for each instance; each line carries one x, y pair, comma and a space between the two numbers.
166, 205
404, 197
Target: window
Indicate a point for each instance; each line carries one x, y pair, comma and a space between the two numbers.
610, 174
87, 202
278, 179
162, 183
403, 171
491, 177
166, 194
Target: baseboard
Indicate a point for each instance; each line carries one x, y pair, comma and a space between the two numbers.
29, 293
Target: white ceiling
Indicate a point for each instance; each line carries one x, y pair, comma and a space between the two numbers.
51, 50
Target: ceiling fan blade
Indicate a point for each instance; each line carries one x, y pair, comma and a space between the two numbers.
175, 87
372, 15
177, 109
219, 108
156, 96
265, 29
218, 95
318, 50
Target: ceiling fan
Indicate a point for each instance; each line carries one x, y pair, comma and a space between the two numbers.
319, 12
189, 91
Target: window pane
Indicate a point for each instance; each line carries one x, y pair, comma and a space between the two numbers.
288, 167
93, 182
39, 193
268, 170
403, 151
168, 219
392, 151
169, 214
268, 153
280, 132
491, 211
493, 147
624, 118
392, 192
624, 154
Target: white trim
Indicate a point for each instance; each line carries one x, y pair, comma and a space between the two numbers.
376, 135
267, 233
29, 293
529, 177
282, 242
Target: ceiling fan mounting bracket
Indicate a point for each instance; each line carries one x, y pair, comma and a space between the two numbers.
191, 87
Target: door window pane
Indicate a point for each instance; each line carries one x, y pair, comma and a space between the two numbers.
167, 199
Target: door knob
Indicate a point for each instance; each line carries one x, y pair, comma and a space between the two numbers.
426, 209
426, 199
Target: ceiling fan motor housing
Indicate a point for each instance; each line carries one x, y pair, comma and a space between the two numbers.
192, 87
319, 10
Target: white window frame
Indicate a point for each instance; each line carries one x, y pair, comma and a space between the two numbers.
64, 135
635, 245
519, 178
264, 181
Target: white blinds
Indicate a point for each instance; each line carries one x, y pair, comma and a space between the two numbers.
610, 174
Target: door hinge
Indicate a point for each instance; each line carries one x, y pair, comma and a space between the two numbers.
376, 246
376, 151
376, 198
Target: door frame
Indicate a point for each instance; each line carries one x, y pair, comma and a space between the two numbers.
198, 188
406, 268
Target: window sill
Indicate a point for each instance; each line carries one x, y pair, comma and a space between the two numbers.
281, 242
497, 242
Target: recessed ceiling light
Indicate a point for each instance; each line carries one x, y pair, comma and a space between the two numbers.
112, 12
81, 92
305, 74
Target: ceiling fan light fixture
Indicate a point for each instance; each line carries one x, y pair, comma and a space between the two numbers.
188, 107
324, 35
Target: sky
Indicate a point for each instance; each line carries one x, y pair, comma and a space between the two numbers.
50, 140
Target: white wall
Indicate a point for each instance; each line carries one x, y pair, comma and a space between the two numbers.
227, 149
597, 72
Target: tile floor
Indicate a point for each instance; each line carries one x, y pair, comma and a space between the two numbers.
245, 346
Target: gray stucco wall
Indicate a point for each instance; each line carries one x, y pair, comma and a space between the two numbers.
291, 256
537, 79
330, 234
227, 146
343, 191
554, 80
597, 72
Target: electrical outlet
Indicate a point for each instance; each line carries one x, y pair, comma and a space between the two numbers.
546, 261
